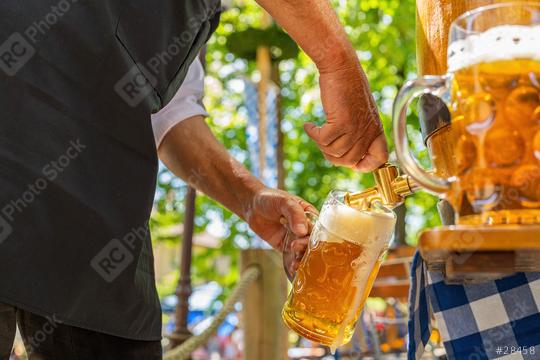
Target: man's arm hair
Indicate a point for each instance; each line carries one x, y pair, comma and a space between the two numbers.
315, 26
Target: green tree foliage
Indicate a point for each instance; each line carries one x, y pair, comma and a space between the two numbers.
383, 33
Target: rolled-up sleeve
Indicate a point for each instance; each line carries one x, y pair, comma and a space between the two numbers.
186, 103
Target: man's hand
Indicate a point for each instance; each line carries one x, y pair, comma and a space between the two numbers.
191, 152
353, 134
269, 207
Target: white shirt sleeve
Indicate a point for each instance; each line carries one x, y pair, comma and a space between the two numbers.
186, 103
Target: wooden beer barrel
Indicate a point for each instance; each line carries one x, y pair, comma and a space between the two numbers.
433, 25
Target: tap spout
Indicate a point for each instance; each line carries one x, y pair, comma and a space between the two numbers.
390, 189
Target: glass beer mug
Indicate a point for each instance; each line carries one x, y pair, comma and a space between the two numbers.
492, 91
337, 272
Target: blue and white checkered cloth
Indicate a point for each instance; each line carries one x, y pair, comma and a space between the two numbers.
494, 320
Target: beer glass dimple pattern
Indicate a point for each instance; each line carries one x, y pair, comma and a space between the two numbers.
337, 272
492, 91
496, 121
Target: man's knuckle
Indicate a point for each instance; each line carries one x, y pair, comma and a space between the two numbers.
332, 152
326, 140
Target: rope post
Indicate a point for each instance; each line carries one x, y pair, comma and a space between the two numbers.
265, 335
183, 352
183, 290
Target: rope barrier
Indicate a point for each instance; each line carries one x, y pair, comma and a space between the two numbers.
184, 351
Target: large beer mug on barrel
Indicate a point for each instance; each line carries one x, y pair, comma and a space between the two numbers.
337, 272
492, 91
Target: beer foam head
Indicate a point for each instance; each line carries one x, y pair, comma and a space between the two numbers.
357, 226
500, 43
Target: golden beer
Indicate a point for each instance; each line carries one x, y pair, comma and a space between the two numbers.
496, 121
337, 272
486, 154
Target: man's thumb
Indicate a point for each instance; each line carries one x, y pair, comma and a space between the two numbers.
312, 130
295, 215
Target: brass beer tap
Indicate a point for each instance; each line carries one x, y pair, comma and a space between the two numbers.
390, 189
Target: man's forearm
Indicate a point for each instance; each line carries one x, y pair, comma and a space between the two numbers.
191, 152
352, 135
315, 26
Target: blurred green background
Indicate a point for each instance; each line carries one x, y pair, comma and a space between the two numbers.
383, 33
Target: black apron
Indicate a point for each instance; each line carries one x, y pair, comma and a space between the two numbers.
78, 82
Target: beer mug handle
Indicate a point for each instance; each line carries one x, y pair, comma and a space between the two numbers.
289, 256
434, 85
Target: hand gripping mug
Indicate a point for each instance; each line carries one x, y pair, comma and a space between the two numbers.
337, 272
